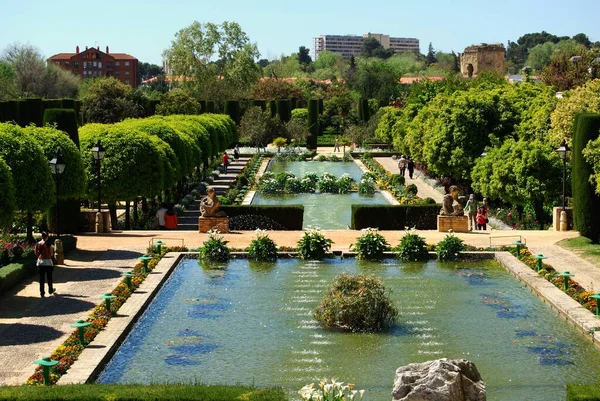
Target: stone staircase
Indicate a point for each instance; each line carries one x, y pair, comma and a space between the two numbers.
189, 220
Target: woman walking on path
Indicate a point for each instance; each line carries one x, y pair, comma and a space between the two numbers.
411, 167
402, 165
471, 209
44, 264
225, 160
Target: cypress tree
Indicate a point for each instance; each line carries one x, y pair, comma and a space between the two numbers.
210, 106
22, 105
586, 203
283, 110
365, 113
293, 103
11, 111
68, 104
273, 108
313, 123
260, 103
34, 109
202, 106
232, 109
66, 120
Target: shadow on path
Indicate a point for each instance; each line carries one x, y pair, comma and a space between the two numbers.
52, 305
21, 334
80, 255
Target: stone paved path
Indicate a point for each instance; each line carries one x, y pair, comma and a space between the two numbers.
32, 327
424, 189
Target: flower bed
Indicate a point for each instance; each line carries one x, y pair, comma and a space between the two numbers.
69, 351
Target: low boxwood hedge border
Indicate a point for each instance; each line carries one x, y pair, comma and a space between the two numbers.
395, 217
102, 392
583, 392
14, 273
289, 216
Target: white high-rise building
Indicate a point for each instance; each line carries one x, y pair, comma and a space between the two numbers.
350, 45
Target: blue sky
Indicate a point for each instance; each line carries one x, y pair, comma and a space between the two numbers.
145, 28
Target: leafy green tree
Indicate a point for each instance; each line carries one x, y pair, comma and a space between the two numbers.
517, 51
107, 100
431, 57
564, 72
219, 60
519, 173
147, 70
583, 99
272, 89
8, 82
540, 55
389, 117
59, 83
258, 128
33, 182
7, 195
582, 39
29, 67
375, 78
371, 47
304, 58
178, 101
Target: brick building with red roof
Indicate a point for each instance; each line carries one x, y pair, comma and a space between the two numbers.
93, 63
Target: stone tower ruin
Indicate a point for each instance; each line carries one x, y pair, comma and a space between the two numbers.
480, 58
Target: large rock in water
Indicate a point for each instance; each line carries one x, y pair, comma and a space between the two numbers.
439, 380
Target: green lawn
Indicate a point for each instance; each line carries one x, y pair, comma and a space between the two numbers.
583, 392
102, 392
583, 247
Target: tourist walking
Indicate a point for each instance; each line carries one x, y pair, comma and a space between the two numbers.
410, 165
225, 160
171, 220
336, 147
471, 210
160, 216
236, 152
482, 218
44, 264
402, 165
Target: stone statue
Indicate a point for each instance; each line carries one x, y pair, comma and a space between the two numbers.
448, 207
209, 205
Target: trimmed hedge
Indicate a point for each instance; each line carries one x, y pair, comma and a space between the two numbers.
284, 110
66, 120
583, 392
259, 103
102, 392
586, 202
289, 216
395, 217
232, 109
202, 104
34, 112
210, 106
313, 123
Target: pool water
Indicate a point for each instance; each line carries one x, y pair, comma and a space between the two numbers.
326, 211
252, 324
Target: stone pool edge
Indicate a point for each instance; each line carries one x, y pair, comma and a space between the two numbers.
95, 356
571, 310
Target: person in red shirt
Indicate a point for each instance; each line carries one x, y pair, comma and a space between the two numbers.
44, 264
225, 160
171, 219
482, 218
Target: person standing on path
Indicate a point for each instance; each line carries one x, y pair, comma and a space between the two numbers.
225, 160
482, 218
160, 215
411, 167
236, 152
336, 147
44, 264
402, 165
471, 209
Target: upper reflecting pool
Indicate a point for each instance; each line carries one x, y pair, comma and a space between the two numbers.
327, 211
252, 324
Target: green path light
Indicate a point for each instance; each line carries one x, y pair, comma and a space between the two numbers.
46, 363
539, 258
566, 276
145, 259
128, 277
80, 326
159, 245
518, 244
107, 300
597, 298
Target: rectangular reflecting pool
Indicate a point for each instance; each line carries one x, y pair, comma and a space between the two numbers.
252, 324
327, 211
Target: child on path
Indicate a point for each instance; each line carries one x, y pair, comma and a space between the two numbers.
225, 160
482, 218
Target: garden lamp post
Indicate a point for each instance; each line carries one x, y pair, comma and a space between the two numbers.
98, 154
563, 153
57, 165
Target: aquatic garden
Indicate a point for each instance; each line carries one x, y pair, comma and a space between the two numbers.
326, 189
252, 323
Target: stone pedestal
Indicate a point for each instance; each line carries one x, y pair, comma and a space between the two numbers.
59, 254
556, 218
205, 224
458, 224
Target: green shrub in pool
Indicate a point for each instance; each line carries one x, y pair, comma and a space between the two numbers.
262, 248
370, 245
449, 248
328, 184
412, 247
214, 249
356, 303
313, 245
345, 184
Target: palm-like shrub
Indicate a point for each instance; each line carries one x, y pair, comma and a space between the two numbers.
328, 184
214, 249
449, 248
367, 185
313, 245
356, 303
345, 184
370, 245
262, 248
412, 247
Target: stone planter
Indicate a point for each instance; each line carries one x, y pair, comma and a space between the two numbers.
458, 224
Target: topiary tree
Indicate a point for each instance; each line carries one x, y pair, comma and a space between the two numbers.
71, 185
7, 195
65, 120
586, 202
33, 181
356, 303
279, 142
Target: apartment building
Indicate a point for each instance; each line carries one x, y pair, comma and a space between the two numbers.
93, 63
350, 45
